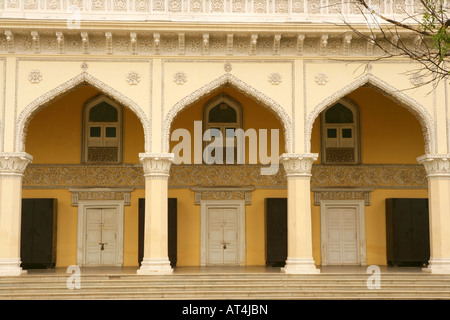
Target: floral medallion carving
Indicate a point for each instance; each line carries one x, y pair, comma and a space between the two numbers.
417, 79
227, 67
35, 76
275, 78
133, 78
180, 78
321, 78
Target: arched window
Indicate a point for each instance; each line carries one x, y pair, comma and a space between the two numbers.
102, 131
222, 116
340, 134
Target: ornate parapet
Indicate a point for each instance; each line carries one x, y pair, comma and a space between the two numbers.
437, 166
156, 165
298, 165
14, 163
198, 10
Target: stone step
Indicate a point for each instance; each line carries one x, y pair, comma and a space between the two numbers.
254, 294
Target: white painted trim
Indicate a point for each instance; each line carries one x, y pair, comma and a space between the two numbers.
204, 205
361, 226
82, 206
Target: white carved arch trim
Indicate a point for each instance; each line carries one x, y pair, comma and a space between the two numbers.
418, 110
229, 79
38, 104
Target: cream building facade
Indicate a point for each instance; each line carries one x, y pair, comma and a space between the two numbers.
154, 66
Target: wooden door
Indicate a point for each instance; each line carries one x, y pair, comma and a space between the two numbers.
101, 236
341, 232
276, 231
172, 230
223, 236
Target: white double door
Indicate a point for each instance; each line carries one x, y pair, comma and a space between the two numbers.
223, 236
342, 236
101, 236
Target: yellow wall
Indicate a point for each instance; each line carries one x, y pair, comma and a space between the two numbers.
389, 132
254, 117
54, 134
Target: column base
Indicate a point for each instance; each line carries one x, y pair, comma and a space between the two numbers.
300, 266
438, 266
11, 267
152, 266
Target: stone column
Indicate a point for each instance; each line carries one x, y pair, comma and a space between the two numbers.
298, 173
12, 167
437, 167
156, 173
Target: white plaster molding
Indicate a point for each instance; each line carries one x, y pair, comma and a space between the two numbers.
419, 111
156, 165
275, 78
438, 266
85, 42
437, 166
11, 267
133, 78
37, 104
321, 78
240, 86
338, 194
298, 165
60, 41
133, 41
102, 194
35, 76
36, 41
300, 266
417, 79
227, 67
9, 41
14, 163
180, 78
155, 266
226, 190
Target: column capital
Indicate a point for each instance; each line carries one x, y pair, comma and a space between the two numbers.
14, 163
298, 165
156, 165
436, 165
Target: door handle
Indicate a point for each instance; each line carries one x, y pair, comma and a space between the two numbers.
103, 245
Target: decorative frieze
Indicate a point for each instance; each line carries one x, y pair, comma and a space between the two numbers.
341, 194
101, 194
188, 176
223, 193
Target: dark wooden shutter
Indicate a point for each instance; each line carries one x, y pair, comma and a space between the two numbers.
38, 233
276, 231
172, 230
407, 232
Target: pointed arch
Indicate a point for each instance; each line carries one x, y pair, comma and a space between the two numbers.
229, 79
417, 109
38, 104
